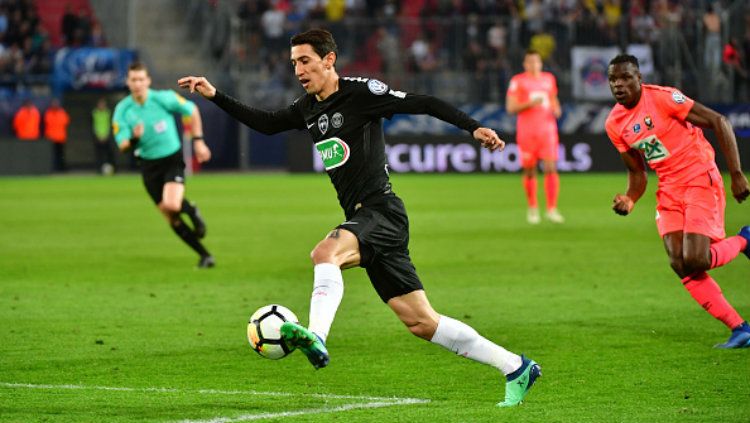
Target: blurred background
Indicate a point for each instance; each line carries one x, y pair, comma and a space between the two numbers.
76, 52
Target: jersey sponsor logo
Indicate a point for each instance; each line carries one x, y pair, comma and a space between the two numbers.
678, 97
337, 120
376, 87
334, 152
323, 123
541, 95
653, 149
310, 125
637, 128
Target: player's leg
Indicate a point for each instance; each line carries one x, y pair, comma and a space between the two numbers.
528, 178
552, 190
549, 147
191, 209
171, 206
706, 216
690, 258
705, 247
415, 311
339, 249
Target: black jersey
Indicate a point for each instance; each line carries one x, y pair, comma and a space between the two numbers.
347, 130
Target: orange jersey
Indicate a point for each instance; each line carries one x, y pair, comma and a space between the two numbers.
656, 126
525, 87
56, 122
26, 123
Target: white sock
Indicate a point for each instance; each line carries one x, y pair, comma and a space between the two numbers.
463, 340
328, 289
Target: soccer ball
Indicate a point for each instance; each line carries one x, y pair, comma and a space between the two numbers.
264, 331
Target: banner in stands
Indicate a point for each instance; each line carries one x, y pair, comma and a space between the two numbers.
739, 116
577, 118
91, 68
589, 72
579, 152
430, 154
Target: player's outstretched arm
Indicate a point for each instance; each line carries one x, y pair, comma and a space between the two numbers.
704, 117
637, 180
260, 120
489, 139
199, 84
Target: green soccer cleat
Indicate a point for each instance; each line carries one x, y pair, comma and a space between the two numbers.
519, 382
308, 342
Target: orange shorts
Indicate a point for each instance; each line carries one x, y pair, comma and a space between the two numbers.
697, 207
542, 145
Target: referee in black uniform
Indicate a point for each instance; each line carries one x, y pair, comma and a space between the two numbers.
344, 118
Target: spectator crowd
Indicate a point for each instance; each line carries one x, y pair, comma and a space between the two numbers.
25, 47
487, 37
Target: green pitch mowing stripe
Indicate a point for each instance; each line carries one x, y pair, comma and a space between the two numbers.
96, 290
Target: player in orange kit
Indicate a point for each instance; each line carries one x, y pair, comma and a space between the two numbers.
661, 125
533, 96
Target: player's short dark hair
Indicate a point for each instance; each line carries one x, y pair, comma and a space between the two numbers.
624, 58
321, 41
138, 66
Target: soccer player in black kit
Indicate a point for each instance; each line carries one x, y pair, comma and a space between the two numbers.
344, 118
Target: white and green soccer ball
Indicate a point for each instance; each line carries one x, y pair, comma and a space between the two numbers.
264, 331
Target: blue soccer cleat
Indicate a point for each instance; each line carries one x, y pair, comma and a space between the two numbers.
519, 382
740, 337
745, 233
307, 341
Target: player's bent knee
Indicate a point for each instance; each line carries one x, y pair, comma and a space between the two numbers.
692, 264
424, 330
169, 207
322, 254
677, 266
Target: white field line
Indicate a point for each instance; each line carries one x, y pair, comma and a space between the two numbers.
371, 402
345, 407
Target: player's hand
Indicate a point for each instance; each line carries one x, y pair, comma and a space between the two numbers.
197, 83
489, 139
740, 187
138, 130
622, 205
201, 151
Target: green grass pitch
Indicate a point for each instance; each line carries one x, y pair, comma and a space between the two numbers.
104, 317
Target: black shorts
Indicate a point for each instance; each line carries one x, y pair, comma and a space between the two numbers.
382, 228
158, 172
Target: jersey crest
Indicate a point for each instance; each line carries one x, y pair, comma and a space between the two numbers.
323, 123
334, 152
